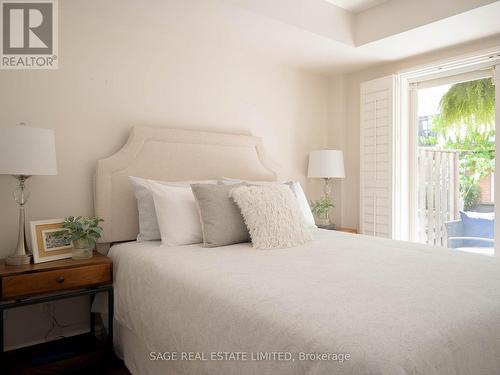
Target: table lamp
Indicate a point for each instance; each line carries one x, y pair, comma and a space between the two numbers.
326, 164
25, 152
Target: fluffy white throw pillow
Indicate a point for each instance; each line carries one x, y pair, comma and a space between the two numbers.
296, 188
272, 216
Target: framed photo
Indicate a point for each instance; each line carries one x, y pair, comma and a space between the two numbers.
50, 240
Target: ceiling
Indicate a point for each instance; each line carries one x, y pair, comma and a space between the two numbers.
356, 6
314, 35
332, 40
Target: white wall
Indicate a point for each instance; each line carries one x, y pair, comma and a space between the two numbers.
349, 86
337, 139
111, 77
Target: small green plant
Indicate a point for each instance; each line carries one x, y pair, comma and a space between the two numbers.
471, 194
321, 206
83, 228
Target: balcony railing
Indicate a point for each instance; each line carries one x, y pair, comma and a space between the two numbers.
437, 193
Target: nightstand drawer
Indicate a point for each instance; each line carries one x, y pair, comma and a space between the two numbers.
29, 284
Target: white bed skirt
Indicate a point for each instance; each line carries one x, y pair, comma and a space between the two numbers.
132, 350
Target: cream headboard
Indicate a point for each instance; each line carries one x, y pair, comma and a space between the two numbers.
171, 155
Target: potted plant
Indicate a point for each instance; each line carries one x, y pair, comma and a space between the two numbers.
320, 208
84, 232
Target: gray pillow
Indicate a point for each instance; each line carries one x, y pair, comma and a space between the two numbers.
221, 220
148, 223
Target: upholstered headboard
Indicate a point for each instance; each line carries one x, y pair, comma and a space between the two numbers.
171, 155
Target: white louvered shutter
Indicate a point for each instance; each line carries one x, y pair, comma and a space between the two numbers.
376, 156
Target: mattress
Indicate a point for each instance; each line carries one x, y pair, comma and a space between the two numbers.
341, 304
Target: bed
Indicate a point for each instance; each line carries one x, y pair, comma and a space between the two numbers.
341, 304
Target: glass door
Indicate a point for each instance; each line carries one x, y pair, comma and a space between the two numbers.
454, 153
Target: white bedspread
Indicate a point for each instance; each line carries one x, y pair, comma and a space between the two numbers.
395, 307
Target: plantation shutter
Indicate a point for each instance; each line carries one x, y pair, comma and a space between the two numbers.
376, 159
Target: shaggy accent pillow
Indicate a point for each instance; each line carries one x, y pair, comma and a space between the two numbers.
272, 216
296, 189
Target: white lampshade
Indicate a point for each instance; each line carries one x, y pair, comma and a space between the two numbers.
326, 164
27, 151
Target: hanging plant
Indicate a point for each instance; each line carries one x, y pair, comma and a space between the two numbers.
467, 107
466, 122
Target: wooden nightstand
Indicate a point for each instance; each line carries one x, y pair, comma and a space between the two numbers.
341, 229
44, 282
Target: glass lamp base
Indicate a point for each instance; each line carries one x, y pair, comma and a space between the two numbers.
20, 257
18, 260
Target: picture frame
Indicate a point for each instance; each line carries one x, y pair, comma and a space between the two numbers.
47, 243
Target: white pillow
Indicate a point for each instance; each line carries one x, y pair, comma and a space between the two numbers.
303, 203
148, 223
231, 181
177, 214
272, 216
297, 191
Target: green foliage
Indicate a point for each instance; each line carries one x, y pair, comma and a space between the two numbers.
86, 228
467, 107
478, 139
427, 141
471, 193
321, 206
467, 123
474, 165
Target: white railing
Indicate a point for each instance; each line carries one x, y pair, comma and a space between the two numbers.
438, 193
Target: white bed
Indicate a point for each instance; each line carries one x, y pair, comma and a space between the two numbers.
394, 307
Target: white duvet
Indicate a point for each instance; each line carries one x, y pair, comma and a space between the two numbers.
394, 307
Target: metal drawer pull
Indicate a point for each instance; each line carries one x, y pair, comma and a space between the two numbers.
60, 279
